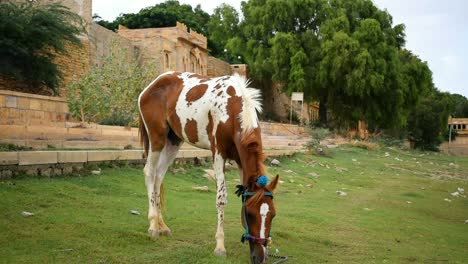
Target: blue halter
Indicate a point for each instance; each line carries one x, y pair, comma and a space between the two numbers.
262, 181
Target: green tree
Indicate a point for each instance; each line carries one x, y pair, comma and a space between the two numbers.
458, 106
31, 37
162, 15
222, 26
428, 121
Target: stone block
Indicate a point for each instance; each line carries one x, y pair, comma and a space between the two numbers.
5, 174
12, 132
112, 132
133, 154
9, 158
45, 172
37, 157
72, 156
67, 170
49, 106
46, 132
105, 155
11, 101
23, 103
2, 100
35, 104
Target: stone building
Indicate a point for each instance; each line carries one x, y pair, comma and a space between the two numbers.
177, 47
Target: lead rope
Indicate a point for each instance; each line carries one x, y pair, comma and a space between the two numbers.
281, 258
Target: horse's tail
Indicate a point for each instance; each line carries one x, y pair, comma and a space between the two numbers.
144, 140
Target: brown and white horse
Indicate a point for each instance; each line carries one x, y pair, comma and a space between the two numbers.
219, 114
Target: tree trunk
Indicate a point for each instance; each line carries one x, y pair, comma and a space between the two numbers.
323, 111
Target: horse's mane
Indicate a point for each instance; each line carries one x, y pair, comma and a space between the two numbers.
251, 98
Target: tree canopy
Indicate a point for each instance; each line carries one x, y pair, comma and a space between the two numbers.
165, 14
32, 35
345, 54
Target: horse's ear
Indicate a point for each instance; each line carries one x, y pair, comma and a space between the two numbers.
273, 184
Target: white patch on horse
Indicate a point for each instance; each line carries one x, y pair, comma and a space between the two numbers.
198, 110
264, 209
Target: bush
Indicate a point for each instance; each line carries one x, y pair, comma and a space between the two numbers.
317, 134
32, 35
108, 94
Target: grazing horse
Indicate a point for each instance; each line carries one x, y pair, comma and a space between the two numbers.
219, 114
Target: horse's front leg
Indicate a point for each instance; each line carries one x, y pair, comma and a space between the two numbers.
221, 201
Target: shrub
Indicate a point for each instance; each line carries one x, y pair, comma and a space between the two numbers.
317, 134
109, 93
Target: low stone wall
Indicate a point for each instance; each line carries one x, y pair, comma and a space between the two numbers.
55, 163
32, 110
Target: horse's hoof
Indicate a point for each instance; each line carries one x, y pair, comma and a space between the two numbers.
220, 252
153, 233
166, 232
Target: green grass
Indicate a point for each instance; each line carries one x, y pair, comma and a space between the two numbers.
394, 213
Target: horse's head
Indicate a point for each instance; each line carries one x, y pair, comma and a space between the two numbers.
258, 211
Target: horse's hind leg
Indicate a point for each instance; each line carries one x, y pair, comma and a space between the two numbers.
166, 158
155, 169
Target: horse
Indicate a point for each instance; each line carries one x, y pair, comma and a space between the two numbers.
218, 114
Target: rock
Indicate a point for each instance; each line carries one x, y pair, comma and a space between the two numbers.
466, 221
387, 154
134, 212
288, 171
460, 190
341, 193
339, 169
210, 174
367, 209
275, 162
409, 202
27, 214
96, 172
313, 174
281, 182
455, 194
447, 200
229, 165
451, 164
201, 188
178, 170
291, 180
199, 161
354, 160
309, 185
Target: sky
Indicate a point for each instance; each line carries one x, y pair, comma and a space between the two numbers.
436, 31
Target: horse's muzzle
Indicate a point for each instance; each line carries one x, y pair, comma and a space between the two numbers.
258, 253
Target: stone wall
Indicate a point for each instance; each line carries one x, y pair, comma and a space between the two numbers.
217, 67
241, 69
102, 40
24, 109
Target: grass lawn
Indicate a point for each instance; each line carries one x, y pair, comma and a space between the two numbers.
394, 212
